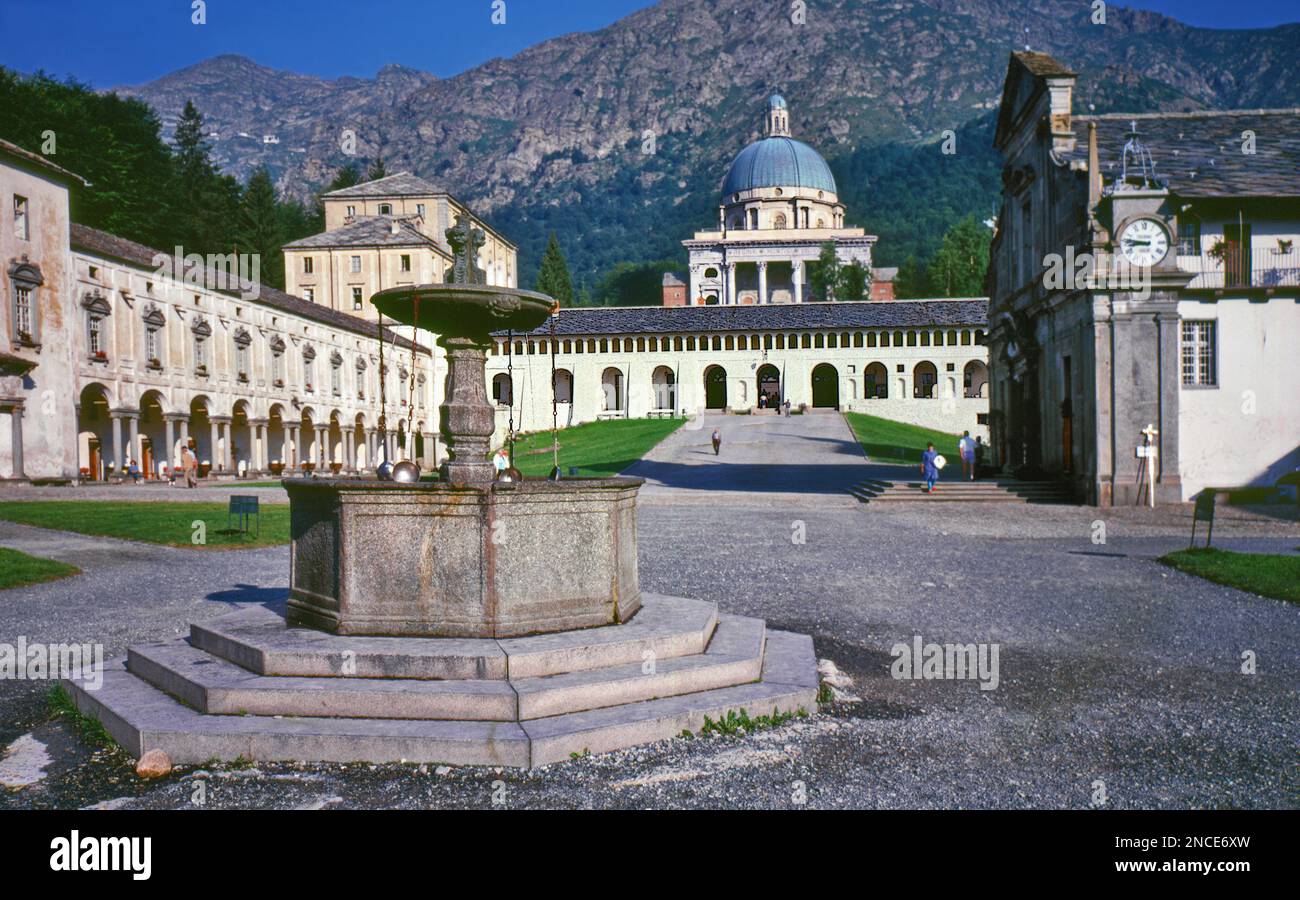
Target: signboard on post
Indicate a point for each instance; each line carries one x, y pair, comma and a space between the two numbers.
1204, 511
244, 507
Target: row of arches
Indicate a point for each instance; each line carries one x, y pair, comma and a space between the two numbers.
825, 385
111, 441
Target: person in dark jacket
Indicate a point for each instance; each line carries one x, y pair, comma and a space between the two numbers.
929, 469
717, 441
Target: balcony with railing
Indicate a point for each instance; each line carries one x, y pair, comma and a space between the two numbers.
1231, 266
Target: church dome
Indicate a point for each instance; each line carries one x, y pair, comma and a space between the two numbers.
778, 161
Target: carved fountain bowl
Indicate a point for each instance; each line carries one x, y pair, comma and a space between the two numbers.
464, 310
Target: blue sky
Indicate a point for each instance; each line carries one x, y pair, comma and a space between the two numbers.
116, 42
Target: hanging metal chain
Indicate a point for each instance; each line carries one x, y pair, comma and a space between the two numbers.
555, 400
510, 377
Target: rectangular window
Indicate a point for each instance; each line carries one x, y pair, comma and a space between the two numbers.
20, 217
277, 368
307, 374
419, 208
23, 312
200, 353
352, 211
336, 380
309, 294
151, 346
356, 298
1200, 353
354, 265
385, 209
1189, 237
95, 334
308, 265
241, 361
406, 262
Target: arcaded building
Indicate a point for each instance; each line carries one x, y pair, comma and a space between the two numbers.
110, 353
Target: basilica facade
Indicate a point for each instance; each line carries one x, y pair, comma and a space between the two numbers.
745, 335
779, 207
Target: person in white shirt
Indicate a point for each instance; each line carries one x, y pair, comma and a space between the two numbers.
966, 450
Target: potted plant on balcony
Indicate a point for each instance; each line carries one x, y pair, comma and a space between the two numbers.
336, 467
277, 469
243, 378
155, 362
307, 387
25, 337
279, 382
308, 468
99, 356
201, 369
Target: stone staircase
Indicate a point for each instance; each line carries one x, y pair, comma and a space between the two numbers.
984, 491
245, 685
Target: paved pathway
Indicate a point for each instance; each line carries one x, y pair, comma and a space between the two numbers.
772, 459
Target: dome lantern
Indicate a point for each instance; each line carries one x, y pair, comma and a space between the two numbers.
778, 117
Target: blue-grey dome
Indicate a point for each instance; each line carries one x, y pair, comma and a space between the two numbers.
779, 162
776, 101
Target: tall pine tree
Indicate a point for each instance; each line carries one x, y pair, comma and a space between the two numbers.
377, 169
207, 202
553, 276
260, 228
958, 267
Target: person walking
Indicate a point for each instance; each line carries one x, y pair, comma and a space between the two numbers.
979, 455
966, 450
787, 408
929, 467
717, 441
500, 461
190, 463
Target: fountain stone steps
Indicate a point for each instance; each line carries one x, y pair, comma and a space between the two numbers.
141, 717
215, 686
258, 640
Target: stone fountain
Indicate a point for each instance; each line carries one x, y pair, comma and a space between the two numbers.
463, 620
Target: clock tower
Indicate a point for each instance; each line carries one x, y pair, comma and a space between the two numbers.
1136, 325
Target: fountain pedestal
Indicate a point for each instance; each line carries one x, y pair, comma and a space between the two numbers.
469, 560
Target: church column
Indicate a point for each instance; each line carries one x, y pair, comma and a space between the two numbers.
117, 443
214, 458
169, 432
133, 442
284, 450
349, 459
797, 265
16, 438
731, 284
762, 281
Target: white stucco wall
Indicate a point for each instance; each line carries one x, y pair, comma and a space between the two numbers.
1246, 430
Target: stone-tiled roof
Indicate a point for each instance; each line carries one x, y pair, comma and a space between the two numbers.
402, 184
366, 231
1042, 64
41, 162
773, 317
101, 243
1200, 153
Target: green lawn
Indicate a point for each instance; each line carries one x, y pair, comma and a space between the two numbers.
595, 449
887, 441
155, 523
1268, 575
18, 569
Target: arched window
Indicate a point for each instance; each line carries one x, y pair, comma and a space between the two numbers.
663, 386
503, 389
611, 382
875, 380
563, 386
924, 378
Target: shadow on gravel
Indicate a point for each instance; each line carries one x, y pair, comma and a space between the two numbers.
271, 597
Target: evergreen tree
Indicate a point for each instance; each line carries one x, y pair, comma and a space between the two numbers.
824, 274
207, 202
909, 283
260, 228
958, 267
553, 276
853, 283
377, 170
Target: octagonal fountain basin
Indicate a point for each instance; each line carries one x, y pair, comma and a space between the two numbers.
462, 560
464, 310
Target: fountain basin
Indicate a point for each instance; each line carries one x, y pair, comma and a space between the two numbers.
462, 560
464, 310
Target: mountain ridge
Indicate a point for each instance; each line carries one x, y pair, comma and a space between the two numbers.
528, 139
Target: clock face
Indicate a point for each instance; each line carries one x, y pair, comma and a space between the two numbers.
1144, 242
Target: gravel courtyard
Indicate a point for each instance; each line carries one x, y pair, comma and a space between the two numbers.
1118, 677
